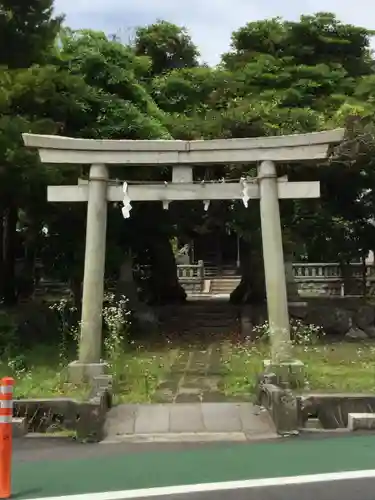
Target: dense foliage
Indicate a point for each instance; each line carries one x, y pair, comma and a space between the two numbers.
278, 77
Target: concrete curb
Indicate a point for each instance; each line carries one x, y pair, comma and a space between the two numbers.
361, 421
19, 427
190, 437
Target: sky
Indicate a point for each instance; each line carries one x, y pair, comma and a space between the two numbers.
209, 22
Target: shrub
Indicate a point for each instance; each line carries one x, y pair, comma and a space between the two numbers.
300, 333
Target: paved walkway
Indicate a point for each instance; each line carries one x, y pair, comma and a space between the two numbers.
85, 469
193, 406
188, 422
195, 377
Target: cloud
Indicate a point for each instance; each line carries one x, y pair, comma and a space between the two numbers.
209, 22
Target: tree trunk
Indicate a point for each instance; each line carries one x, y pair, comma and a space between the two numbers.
76, 286
350, 283
143, 317
166, 288
126, 285
251, 289
26, 280
10, 243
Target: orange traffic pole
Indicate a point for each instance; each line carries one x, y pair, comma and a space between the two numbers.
6, 414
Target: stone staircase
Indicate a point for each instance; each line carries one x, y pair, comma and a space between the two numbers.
224, 285
203, 319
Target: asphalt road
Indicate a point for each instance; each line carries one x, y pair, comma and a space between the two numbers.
361, 489
324, 489
190, 471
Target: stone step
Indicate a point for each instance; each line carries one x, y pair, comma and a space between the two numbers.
212, 330
230, 280
213, 318
224, 284
222, 291
199, 304
211, 324
199, 319
200, 312
204, 308
201, 328
202, 319
187, 308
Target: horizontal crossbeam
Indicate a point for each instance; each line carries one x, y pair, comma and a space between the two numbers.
288, 148
184, 192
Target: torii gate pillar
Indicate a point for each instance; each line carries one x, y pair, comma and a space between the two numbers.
90, 345
273, 258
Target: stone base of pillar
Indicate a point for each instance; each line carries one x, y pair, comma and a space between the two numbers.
85, 372
288, 374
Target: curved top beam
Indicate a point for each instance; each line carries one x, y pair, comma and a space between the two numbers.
296, 147
293, 140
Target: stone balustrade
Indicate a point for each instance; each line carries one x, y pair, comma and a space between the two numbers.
191, 271
313, 279
324, 279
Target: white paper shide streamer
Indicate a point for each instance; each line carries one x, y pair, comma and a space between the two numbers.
126, 201
245, 192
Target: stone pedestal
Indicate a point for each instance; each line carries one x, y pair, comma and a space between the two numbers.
85, 372
288, 374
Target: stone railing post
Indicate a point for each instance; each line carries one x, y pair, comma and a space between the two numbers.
201, 273
90, 344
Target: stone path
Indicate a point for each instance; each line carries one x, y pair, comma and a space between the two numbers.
191, 406
188, 422
195, 377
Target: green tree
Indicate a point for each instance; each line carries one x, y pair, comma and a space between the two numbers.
168, 46
27, 31
41, 99
122, 107
313, 40
280, 77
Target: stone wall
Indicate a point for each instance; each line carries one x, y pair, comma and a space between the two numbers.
54, 415
351, 318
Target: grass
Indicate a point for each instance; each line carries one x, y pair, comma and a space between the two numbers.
338, 367
40, 374
140, 371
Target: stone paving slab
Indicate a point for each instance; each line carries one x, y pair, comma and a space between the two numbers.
185, 418
220, 417
154, 421
194, 377
130, 420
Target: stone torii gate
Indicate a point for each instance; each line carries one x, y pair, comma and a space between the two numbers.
102, 155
